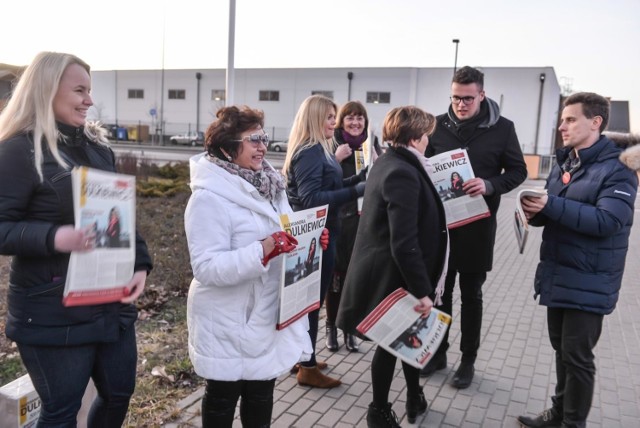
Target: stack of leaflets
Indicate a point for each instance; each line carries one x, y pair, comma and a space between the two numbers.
400, 330
106, 203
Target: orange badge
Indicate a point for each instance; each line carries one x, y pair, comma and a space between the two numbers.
566, 177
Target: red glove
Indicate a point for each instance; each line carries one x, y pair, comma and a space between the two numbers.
324, 239
285, 243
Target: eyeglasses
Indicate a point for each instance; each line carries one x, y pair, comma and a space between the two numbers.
256, 139
465, 100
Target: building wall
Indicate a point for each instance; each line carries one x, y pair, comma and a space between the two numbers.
517, 90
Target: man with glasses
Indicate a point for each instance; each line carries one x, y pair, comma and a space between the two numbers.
473, 122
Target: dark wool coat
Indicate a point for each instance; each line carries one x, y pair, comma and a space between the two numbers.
496, 157
401, 239
586, 234
31, 211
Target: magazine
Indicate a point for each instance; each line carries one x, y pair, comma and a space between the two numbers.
301, 268
400, 330
520, 222
448, 171
106, 202
364, 158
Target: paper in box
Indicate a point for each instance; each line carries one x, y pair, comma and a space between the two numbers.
19, 404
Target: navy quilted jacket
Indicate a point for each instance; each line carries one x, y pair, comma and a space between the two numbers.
586, 235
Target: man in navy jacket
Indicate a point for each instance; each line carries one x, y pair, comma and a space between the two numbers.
474, 123
587, 217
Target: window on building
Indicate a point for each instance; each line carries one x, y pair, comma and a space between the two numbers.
136, 94
379, 97
328, 94
218, 95
176, 94
269, 96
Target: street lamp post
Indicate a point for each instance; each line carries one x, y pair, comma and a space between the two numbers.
455, 61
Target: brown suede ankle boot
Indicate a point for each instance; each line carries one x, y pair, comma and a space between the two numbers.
311, 376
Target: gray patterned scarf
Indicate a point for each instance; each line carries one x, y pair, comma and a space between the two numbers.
268, 182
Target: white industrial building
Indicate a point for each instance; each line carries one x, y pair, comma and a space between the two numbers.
529, 96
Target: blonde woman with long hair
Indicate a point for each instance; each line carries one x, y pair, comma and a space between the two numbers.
43, 134
315, 178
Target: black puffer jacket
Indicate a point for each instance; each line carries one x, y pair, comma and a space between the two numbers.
31, 211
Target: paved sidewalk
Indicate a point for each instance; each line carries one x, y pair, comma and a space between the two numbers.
515, 367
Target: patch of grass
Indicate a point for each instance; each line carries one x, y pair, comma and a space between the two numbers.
11, 368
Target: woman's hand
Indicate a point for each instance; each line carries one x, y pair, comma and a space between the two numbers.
424, 306
135, 287
69, 239
343, 151
281, 242
324, 239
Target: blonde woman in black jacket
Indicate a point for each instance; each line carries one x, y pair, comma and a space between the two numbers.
43, 133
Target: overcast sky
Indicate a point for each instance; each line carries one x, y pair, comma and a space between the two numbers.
593, 46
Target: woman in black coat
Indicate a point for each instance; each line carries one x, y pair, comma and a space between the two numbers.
401, 242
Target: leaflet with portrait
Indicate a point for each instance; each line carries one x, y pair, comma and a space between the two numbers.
301, 268
395, 326
449, 170
106, 202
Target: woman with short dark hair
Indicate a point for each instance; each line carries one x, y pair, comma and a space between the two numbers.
401, 242
233, 232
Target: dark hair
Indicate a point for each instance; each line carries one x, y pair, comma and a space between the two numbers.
407, 340
403, 124
592, 105
355, 108
467, 75
224, 132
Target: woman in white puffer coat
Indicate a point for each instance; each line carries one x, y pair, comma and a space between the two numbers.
232, 224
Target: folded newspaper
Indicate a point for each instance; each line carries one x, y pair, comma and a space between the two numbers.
449, 171
106, 202
301, 268
400, 330
520, 222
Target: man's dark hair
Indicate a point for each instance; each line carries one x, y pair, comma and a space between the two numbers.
592, 105
467, 75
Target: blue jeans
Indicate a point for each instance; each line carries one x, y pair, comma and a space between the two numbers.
60, 375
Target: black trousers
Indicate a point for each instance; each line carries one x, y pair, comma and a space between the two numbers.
326, 275
382, 369
573, 335
470, 311
220, 399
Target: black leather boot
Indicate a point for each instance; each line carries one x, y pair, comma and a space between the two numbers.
438, 362
350, 342
416, 406
332, 338
382, 417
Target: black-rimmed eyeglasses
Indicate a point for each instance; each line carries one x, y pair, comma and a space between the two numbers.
256, 139
465, 100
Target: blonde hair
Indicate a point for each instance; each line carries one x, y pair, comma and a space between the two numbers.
308, 128
30, 108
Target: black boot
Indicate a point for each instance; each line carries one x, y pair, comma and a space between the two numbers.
416, 406
463, 377
547, 419
383, 417
438, 362
332, 338
350, 342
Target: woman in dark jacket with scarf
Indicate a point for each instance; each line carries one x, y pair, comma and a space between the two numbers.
43, 134
401, 242
351, 134
314, 178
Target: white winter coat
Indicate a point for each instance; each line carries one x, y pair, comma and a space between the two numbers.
233, 299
